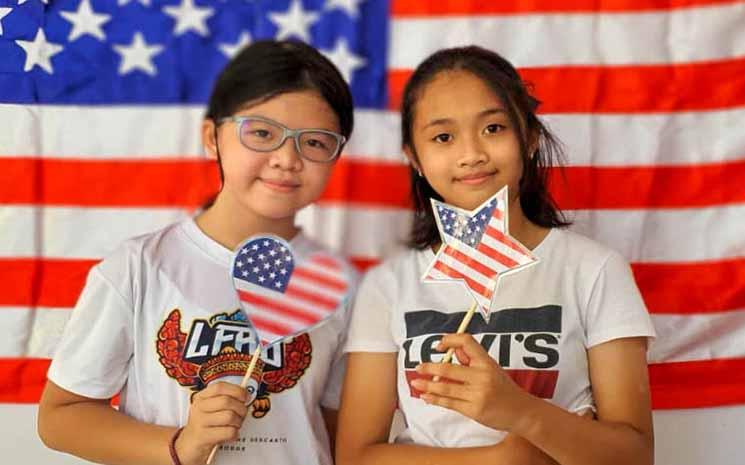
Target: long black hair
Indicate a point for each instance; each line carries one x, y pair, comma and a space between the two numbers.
502, 78
269, 68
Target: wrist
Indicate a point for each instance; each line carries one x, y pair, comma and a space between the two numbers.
175, 460
528, 420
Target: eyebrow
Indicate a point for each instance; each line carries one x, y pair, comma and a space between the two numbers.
487, 112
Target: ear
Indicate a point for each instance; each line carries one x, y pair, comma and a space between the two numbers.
208, 138
533, 142
411, 156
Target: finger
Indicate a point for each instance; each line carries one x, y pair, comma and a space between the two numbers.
471, 349
220, 403
222, 418
457, 373
446, 402
452, 390
222, 388
220, 434
462, 357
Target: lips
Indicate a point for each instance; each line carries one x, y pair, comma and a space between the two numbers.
280, 185
475, 178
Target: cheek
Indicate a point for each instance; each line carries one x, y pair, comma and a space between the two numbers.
317, 177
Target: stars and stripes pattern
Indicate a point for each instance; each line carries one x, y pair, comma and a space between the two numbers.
281, 297
477, 249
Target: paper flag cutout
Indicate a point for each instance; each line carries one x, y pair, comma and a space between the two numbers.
281, 295
476, 248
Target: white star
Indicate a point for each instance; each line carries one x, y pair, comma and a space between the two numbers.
244, 251
277, 285
239, 264
261, 256
261, 279
3, 13
124, 2
231, 50
250, 260
283, 271
272, 252
39, 52
137, 55
255, 247
245, 273
189, 17
272, 275
256, 269
278, 262
345, 60
294, 22
351, 7
85, 21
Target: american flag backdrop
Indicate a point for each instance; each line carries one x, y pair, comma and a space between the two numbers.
99, 141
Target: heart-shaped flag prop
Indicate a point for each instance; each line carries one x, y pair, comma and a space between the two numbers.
282, 294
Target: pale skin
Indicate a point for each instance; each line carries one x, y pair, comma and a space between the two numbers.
261, 194
467, 148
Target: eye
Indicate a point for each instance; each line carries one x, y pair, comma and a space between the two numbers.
315, 143
442, 138
262, 133
494, 128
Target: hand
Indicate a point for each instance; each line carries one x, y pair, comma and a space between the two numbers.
481, 389
215, 417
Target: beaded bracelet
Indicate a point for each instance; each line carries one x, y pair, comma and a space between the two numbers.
172, 447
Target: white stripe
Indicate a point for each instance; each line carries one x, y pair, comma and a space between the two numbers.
661, 235
314, 287
477, 256
42, 326
507, 251
698, 337
681, 35
73, 232
326, 272
465, 270
591, 140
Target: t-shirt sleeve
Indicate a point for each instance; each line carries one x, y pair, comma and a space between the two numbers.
615, 307
93, 355
370, 326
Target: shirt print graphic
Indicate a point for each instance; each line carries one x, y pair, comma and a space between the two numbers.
221, 348
524, 341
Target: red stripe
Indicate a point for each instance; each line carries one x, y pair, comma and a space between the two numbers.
503, 239
453, 273
364, 263
684, 288
470, 262
317, 299
708, 383
624, 89
326, 261
322, 280
270, 326
358, 182
276, 305
650, 186
690, 288
22, 379
408, 8
50, 283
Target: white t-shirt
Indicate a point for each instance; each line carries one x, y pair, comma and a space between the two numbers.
543, 320
159, 318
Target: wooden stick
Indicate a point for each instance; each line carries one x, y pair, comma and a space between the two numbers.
244, 383
461, 329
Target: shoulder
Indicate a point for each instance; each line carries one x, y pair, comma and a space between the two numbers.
577, 250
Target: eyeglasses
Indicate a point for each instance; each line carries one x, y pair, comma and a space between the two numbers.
264, 135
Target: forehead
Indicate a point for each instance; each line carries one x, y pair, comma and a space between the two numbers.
297, 109
454, 95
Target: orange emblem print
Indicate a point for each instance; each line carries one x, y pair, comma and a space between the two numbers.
220, 349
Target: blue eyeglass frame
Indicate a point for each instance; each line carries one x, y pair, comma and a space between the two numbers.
287, 133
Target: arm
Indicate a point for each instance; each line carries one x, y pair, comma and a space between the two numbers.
93, 430
366, 415
330, 419
618, 370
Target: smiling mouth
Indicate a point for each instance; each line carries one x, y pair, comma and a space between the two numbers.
476, 178
280, 186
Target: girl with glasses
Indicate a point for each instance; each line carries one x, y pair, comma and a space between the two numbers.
159, 322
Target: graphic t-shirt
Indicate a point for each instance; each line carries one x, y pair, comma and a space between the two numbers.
159, 320
543, 320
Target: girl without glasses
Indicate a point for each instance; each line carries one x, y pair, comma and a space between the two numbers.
566, 337
159, 320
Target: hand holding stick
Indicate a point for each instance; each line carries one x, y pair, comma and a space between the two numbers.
461, 329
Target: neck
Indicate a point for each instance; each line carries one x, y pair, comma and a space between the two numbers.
522, 229
230, 223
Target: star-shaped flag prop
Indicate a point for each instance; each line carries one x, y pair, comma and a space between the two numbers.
476, 248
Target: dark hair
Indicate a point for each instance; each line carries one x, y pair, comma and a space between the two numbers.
502, 78
269, 68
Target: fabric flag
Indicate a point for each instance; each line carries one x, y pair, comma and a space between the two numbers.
477, 249
281, 297
101, 103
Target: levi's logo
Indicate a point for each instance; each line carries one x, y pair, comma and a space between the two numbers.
524, 341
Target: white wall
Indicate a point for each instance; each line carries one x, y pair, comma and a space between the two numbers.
683, 437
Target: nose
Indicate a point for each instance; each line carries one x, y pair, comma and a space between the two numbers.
472, 151
286, 156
